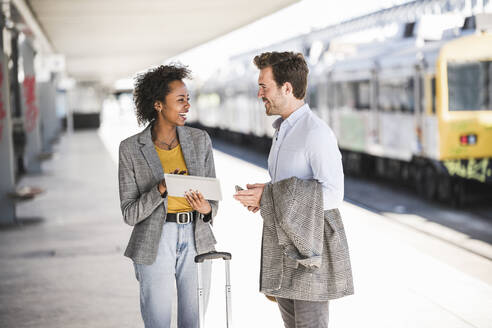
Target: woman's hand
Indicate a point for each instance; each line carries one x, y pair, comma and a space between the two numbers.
197, 202
162, 184
162, 187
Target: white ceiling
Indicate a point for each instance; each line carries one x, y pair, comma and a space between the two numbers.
104, 40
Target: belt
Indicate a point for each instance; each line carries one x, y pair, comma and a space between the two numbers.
181, 218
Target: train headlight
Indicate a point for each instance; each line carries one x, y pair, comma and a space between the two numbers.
468, 139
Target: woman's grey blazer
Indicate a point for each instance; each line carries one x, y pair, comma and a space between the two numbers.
142, 206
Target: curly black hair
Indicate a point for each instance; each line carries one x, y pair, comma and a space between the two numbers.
153, 86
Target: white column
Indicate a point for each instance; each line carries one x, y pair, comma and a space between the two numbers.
49, 121
7, 182
30, 109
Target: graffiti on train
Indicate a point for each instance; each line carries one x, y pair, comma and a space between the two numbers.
472, 169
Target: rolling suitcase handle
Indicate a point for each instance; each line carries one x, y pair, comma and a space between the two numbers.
199, 259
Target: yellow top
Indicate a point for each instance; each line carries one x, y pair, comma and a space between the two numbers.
171, 160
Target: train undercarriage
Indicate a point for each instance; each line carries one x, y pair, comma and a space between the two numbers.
431, 179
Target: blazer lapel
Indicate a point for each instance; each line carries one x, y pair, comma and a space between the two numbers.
150, 154
188, 148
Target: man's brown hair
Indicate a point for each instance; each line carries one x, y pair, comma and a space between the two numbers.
286, 67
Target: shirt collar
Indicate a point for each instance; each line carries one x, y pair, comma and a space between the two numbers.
293, 118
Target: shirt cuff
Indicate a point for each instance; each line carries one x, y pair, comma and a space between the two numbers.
164, 195
207, 217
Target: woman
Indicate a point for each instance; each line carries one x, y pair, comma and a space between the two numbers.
168, 231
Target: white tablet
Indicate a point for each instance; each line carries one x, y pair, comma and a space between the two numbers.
177, 185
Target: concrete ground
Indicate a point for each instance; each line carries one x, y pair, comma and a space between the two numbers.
63, 265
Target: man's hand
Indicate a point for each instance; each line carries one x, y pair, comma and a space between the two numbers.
251, 198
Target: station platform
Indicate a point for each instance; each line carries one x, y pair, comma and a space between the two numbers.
63, 264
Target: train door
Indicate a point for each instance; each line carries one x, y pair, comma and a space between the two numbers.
419, 110
351, 113
396, 116
429, 119
373, 120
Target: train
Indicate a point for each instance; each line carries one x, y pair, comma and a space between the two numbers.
408, 109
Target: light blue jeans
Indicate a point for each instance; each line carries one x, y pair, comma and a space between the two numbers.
174, 265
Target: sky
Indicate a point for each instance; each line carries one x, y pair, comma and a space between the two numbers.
296, 19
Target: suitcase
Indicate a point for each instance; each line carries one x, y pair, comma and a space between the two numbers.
199, 259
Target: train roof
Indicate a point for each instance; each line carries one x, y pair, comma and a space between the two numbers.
389, 55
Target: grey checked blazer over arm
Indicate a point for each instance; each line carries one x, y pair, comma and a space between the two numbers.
142, 206
304, 249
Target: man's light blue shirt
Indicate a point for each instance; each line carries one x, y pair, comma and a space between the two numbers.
305, 147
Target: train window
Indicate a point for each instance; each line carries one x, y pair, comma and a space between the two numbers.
363, 95
343, 97
469, 86
352, 94
409, 28
469, 23
396, 95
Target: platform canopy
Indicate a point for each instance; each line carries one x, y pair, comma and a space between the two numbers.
104, 40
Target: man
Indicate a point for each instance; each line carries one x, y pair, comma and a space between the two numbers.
304, 149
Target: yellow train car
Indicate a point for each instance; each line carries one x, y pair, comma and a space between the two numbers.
464, 107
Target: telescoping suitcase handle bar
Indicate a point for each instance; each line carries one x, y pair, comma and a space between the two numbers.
199, 259
212, 256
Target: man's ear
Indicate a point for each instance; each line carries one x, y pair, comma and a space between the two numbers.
288, 88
